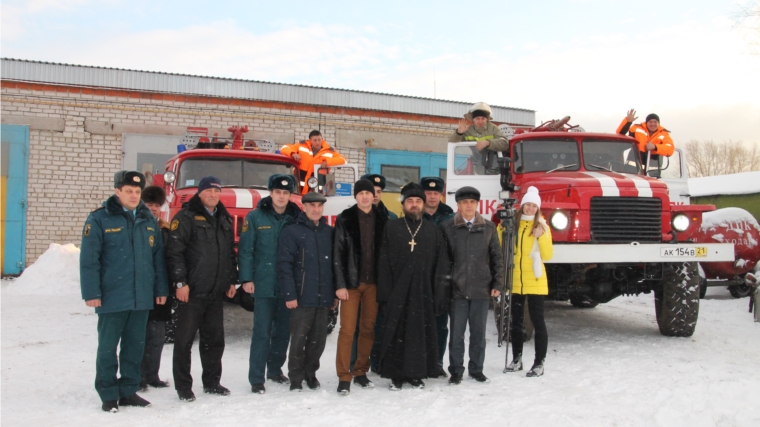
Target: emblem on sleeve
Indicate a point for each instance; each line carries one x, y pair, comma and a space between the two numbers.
87, 228
151, 240
245, 226
175, 224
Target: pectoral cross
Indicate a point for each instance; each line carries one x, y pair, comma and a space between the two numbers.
412, 244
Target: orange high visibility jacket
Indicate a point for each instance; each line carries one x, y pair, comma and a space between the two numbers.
661, 138
309, 159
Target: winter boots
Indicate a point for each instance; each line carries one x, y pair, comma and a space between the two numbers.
313, 383
455, 379
296, 386
516, 364
134, 400
364, 382
110, 406
186, 395
258, 389
218, 389
344, 388
280, 379
479, 377
396, 385
537, 370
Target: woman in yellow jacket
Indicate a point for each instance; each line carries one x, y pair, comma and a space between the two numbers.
533, 245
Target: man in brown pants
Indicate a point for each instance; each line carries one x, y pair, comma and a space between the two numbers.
358, 232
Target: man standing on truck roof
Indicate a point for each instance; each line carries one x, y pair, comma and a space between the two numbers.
477, 126
200, 256
311, 152
438, 213
122, 272
650, 136
257, 261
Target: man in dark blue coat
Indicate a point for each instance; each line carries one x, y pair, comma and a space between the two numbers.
304, 272
122, 272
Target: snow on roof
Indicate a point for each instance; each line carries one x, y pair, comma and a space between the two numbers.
737, 183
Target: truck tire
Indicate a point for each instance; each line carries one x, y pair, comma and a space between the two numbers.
739, 291
582, 302
702, 287
677, 302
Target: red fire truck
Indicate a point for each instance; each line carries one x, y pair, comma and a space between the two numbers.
614, 229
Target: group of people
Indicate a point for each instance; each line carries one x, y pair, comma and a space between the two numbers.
405, 286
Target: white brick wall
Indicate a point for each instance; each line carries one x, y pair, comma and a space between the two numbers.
71, 172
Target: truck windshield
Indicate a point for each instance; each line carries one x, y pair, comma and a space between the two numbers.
615, 156
232, 172
542, 155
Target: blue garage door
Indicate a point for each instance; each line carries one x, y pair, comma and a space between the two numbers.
15, 161
401, 167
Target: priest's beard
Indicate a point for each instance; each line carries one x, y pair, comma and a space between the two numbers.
414, 215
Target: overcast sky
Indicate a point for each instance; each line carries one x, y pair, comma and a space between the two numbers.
686, 60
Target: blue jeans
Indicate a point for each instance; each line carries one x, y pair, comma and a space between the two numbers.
269, 343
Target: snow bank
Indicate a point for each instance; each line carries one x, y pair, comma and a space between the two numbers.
724, 217
737, 183
56, 271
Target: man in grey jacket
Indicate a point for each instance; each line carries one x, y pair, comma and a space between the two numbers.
477, 274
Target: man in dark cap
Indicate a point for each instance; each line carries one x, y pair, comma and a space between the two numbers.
304, 272
438, 213
379, 182
477, 275
122, 273
651, 138
412, 281
154, 197
201, 262
257, 260
358, 231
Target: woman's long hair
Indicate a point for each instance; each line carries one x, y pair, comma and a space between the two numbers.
536, 224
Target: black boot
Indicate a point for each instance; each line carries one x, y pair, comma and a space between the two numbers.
280, 379
396, 384
364, 382
110, 406
134, 400
455, 379
313, 383
217, 389
344, 388
186, 395
537, 370
258, 389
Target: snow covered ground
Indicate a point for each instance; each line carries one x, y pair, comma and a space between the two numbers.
606, 366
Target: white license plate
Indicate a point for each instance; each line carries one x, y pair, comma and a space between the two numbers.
683, 251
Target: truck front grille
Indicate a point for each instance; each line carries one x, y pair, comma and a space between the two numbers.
626, 219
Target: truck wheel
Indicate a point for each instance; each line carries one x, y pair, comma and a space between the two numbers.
583, 302
677, 303
739, 291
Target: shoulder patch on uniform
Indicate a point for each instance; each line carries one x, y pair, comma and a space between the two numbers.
87, 229
245, 226
200, 218
151, 240
113, 230
175, 224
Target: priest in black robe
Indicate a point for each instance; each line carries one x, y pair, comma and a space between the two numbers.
413, 285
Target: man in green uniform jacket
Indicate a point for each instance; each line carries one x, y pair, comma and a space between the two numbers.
122, 273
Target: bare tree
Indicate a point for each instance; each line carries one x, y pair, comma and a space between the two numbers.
747, 21
710, 158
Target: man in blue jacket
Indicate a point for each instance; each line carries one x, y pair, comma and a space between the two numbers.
122, 272
304, 272
257, 258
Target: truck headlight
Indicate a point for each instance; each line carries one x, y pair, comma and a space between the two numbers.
680, 222
559, 220
169, 177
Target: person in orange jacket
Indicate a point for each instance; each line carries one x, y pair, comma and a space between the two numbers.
309, 153
650, 136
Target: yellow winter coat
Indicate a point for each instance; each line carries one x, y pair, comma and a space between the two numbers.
524, 282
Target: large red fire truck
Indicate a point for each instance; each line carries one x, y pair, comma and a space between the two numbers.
614, 228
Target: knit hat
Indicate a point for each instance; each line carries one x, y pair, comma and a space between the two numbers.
154, 194
412, 190
282, 182
363, 185
134, 178
313, 197
376, 179
467, 193
653, 116
209, 182
432, 183
531, 196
